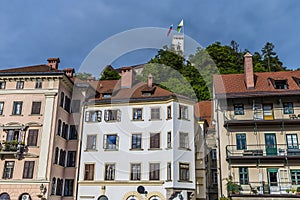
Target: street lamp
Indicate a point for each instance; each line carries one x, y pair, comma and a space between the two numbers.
43, 190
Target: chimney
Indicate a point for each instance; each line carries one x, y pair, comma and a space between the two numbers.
53, 62
150, 81
69, 72
90, 79
126, 77
248, 71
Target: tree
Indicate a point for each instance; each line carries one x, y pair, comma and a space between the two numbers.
109, 73
270, 58
83, 75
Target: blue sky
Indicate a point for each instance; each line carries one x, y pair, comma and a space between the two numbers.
32, 31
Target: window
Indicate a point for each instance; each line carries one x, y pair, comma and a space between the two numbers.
68, 189
184, 174
154, 171
91, 142
28, 169
62, 157
32, 137
75, 106
67, 104
213, 154
2, 85
56, 155
241, 141
112, 115
281, 84
243, 174
136, 141
137, 114
59, 186
169, 112
106, 95
169, 171
65, 129
169, 139
288, 108
292, 141
62, 98
8, 169
135, 173
17, 108
111, 142
73, 132
36, 107
1, 107
59, 127
53, 186
295, 176
238, 109
93, 116
20, 85
38, 84
155, 113
89, 172
71, 159
183, 112
109, 172
184, 140
268, 112
12, 135
154, 140
214, 176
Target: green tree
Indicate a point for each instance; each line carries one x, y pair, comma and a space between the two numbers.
270, 58
109, 73
83, 75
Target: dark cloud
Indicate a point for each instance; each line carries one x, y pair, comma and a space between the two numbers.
31, 31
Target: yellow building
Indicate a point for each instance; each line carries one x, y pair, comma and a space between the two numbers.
258, 120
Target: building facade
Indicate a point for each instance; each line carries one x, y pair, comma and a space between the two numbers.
137, 143
258, 119
39, 140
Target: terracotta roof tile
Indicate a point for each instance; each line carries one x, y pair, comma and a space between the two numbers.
35, 68
203, 110
234, 84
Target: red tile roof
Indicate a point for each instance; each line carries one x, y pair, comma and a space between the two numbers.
35, 68
233, 85
203, 110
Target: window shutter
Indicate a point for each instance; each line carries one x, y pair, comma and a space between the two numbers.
87, 116
104, 141
119, 115
117, 142
106, 115
99, 115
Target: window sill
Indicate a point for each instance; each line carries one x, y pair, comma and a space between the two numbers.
92, 121
185, 149
184, 181
136, 149
168, 148
168, 180
112, 121
155, 119
2, 115
16, 115
169, 118
111, 149
35, 115
91, 150
154, 149
137, 120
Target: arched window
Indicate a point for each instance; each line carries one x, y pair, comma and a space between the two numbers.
53, 186
25, 196
58, 187
61, 155
4, 196
63, 129
62, 97
56, 155
59, 127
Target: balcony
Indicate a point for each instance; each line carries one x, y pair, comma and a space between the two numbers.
12, 148
285, 190
263, 152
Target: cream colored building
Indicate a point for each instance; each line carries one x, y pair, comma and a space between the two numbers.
258, 120
38, 134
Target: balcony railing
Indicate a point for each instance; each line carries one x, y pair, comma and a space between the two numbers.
261, 150
13, 147
265, 189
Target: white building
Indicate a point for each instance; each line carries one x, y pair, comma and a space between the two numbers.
137, 134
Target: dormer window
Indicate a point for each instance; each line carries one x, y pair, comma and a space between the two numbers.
106, 95
280, 84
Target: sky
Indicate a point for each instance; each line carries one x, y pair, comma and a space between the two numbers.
32, 31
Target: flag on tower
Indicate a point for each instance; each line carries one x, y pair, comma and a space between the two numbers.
179, 26
170, 29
